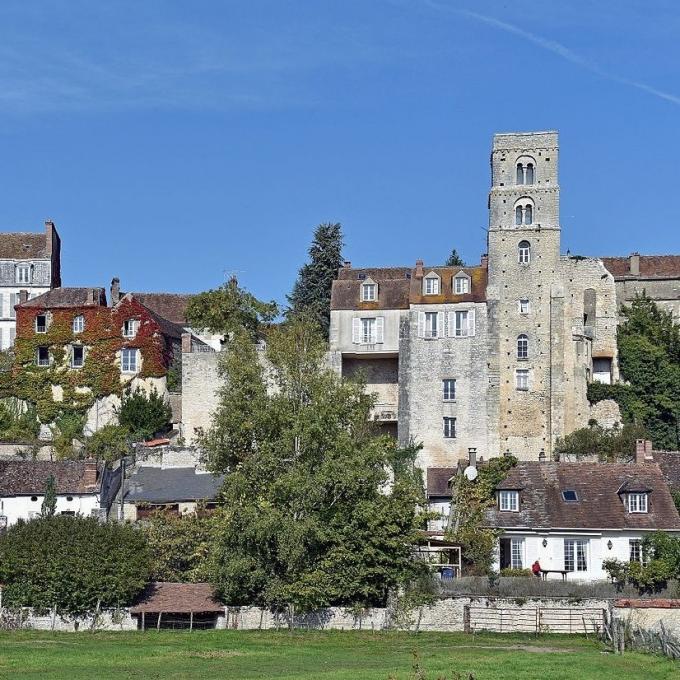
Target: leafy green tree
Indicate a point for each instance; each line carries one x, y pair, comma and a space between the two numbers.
75, 564
142, 414
649, 359
49, 505
109, 443
67, 427
319, 509
615, 444
228, 309
17, 422
311, 293
182, 546
454, 260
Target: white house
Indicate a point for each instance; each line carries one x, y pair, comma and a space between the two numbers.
83, 488
572, 516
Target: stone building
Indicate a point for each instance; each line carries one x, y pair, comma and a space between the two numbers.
29, 262
496, 356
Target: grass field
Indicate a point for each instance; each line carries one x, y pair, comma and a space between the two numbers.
241, 655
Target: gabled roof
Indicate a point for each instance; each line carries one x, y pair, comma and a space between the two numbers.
438, 481
171, 485
68, 297
669, 462
23, 246
599, 488
170, 306
28, 477
178, 598
651, 267
393, 287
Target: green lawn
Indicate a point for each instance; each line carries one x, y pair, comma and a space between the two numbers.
240, 655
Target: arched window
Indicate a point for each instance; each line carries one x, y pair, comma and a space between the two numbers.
520, 173
518, 216
525, 170
529, 173
524, 252
528, 213
522, 346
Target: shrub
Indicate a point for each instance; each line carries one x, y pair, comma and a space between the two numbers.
109, 443
18, 423
74, 564
516, 572
143, 415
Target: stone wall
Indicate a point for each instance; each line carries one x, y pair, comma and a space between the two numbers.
650, 614
200, 385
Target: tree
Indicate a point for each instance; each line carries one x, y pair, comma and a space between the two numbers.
75, 564
312, 290
454, 260
319, 509
109, 443
615, 444
50, 501
142, 414
229, 308
649, 359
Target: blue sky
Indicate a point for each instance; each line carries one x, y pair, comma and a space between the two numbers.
176, 142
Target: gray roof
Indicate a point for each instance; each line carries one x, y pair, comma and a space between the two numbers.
171, 485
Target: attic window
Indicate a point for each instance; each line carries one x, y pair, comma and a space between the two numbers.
432, 285
369, 292
508, 501
637, 502
361, 277
569, 495
130, 328
461, 285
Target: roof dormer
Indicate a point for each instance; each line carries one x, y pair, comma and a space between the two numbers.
369, 290
432, 284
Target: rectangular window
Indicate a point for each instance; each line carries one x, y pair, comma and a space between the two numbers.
461, 285
522, 379
524, 306
517, 553
432, 286
509, 501
602, 370
449, 428
130, 328
23, 273
41, 323
42, 356
431, 329
636, 554
368, 292
12, 336
368, 335
575, 555
77, 356
128, 360
449, 385
13, 300
637, 502
460, 324
78, 323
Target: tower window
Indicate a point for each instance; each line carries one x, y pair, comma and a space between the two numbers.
519, 216
449, 428
524, 252
522, 346
528, 214
524, 306
525, 170
449, 387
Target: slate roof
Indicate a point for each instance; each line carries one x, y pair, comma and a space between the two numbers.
600, 506
171, 485
170, 306
67, 297
438, 481
28, 477
393, 288
167, 327
178, 598
651, 266
23, 246
669, 462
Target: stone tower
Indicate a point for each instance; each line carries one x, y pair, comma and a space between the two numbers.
525, 296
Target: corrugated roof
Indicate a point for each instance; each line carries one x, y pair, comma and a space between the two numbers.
178, 598
599, 505
28, 477
23, 246
171, 485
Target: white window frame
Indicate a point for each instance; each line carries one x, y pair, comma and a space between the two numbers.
37, 357
449, 427
449, 389
461, 285
522, 346
368, 330
508, 501
517, 553
576, 554
78, 323
126, 365
461, 323
431, 325
23, 273
635, 552
431, 285
369, 291
522, 379
637, 503
524, 253
73, 364
130, 328
524, 306
47, 323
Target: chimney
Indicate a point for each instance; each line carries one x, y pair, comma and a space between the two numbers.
634, 264
347, 264
49, 237
472, 456
419, 269
90, 473
643, 451
115, 290
484, 261
23, 296
186, 343
94, 296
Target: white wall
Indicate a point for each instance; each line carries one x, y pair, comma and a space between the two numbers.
20, 507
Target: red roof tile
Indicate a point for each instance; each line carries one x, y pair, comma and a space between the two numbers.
651, 266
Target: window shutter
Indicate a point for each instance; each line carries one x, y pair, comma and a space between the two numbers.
380, 329
421, 324
451, 330
471, 322
440, 324
356, 331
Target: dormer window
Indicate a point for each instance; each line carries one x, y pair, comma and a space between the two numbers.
78, 324
570, 496
24, 273
130, 327
508, 501
41, 323
369, 292
431, 286
461, 285
637, 502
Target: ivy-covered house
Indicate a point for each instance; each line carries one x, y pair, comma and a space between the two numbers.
75, 352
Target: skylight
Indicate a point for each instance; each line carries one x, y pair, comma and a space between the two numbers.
569, 495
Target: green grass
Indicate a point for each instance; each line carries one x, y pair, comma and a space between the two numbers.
241, 655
